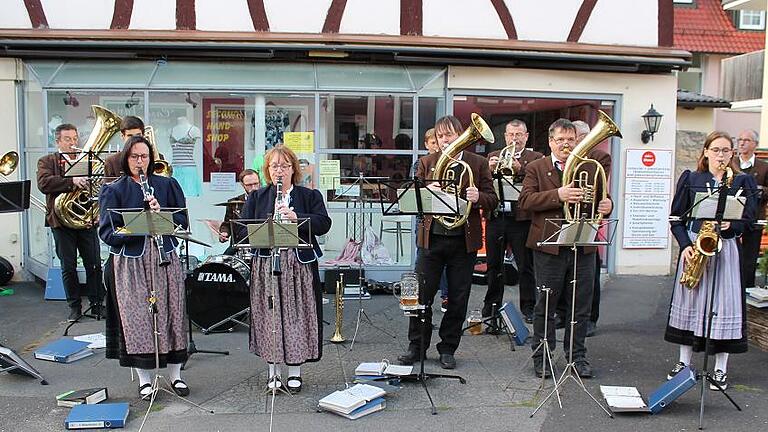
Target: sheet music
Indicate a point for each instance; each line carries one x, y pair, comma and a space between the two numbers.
430, 202
707, 206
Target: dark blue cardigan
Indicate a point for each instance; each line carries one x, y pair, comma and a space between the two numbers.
307, 203
691, 182
125, 193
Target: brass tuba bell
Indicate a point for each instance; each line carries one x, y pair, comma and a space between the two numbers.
161, 167
477, 129
8, 164
578, 161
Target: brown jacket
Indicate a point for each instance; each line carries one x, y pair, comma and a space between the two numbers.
526, 157
760, 173
488, 201
112, 166
51, 182
539, 196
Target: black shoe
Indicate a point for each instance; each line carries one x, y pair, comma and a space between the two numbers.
447, 361
529, 318
294, 388
409, 358
74, 314
721, 378
679, 366
591, 328
538, 366
180, 388
97, 309
583, 368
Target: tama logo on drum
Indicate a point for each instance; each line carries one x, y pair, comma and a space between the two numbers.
215, 277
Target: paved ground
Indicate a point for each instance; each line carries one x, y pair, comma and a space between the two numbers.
499, 395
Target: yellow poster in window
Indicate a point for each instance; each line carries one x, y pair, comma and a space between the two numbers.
300, 142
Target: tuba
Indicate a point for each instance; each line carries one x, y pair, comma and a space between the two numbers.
161, 167
477, 129
575, 165
707, 244
8, 164
79, 209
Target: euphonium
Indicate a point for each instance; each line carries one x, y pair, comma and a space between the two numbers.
338, 302
79, 209
8, 164
161, 167
477, 129
504, 166
707, 244
577, 163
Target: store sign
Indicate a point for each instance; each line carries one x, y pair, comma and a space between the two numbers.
223, 136
647, 195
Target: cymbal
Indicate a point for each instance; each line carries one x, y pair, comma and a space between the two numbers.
229, 203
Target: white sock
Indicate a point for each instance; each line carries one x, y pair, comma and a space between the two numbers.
145, 376
721, 361
686, 352
174, 370
294, 371
274, 370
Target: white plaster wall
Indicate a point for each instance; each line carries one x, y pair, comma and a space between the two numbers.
461, 18
79, 14
543, 20
358, 16
624, 22
296, 16
637, 93
698, 119
10, 235
153, 15
223, 15
14, 15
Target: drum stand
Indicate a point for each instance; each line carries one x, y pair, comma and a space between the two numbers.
191, 347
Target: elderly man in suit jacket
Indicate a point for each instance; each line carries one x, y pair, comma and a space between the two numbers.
544, 195
454, 250
750, 239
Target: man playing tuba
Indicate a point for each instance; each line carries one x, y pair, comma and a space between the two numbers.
544, 196
453, 248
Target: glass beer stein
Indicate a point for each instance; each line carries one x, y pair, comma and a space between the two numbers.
409, 291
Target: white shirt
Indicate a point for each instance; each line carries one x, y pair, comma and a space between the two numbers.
749, 163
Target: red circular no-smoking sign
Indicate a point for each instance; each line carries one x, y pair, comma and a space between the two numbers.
649, 158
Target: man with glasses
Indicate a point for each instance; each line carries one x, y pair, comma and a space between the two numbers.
509, 224
750, 238
250, 181
544, 195
51, 182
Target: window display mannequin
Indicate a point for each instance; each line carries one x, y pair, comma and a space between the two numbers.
184, 137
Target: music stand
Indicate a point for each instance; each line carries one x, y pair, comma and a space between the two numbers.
348, 190
140, 222
574, 234
276, 236
421, 201
714, 204
10, 362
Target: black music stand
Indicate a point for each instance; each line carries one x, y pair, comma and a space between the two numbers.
346, 190
574, 234
716, 205
14, 197
420, 201
276, 236
149, 223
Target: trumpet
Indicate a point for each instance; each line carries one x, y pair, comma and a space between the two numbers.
338, 301
8, 164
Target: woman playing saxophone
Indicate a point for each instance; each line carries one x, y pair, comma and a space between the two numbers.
686, 325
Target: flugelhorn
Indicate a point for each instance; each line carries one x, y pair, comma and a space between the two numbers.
338, 302
477, 129
8, 164
577, 164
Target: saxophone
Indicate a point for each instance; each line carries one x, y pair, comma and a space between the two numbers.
707, 244
338, 301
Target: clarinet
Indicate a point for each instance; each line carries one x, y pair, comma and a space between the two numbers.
158, 239
276, 270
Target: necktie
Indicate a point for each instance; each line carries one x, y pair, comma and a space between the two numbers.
559, 168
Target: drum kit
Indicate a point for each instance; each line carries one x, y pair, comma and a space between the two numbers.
218, 289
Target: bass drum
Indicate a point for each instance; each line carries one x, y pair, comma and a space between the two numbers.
218, 289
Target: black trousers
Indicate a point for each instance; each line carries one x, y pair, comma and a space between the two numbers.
68, 243
595, 314
750, 252
499, 232
449, 253
556, 272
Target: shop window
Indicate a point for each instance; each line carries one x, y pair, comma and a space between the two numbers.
368, 122
752, 20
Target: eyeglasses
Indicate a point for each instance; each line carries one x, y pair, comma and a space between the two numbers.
745, 140
135, 157
563, 141
284, 166
67, 139
723, 151
516, 134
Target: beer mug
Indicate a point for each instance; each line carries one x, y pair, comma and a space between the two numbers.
409, 291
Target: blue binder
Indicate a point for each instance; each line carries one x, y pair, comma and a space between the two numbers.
671, 390
514, 322
99, 416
